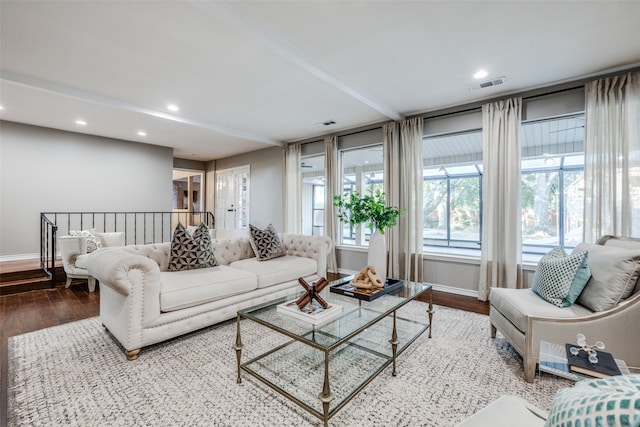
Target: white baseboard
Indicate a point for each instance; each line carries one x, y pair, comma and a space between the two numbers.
347, 272
19, 257
457, 291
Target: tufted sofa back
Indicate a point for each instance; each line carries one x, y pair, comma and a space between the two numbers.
232, 249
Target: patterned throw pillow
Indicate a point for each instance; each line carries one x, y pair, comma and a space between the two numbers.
265, 243
560, 278
614, 401
188, 251
93, 241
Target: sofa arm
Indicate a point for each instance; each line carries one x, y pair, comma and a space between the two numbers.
314, 247
126, 273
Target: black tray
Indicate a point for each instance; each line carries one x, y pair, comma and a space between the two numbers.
345, 288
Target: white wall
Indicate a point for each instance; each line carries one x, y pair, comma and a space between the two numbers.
47, 170
266, 185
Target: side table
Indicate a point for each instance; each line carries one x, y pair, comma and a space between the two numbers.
553, 360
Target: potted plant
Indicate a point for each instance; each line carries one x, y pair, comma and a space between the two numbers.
372, 210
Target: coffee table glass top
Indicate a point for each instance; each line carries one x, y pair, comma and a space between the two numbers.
355, 316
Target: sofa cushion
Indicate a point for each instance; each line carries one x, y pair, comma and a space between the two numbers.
614, 272
265, 243
191, 251
188, 288
613, 401
560, 278
277, 270
519, 304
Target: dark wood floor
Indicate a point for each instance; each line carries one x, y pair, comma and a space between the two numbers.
30, 311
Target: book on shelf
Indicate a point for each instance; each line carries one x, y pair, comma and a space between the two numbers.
313, 312
606, 366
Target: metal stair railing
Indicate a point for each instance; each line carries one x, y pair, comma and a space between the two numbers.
139, 228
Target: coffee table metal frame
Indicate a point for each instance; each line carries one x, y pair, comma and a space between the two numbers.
407, 293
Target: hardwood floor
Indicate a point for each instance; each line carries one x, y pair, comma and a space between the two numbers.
30, 311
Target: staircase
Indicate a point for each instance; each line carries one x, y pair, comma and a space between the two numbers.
25, 276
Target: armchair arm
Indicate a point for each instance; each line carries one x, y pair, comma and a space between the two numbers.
70, 248
614, 327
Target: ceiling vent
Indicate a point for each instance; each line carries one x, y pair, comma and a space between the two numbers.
327, 123
488, 83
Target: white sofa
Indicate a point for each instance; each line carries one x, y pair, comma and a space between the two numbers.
142, 303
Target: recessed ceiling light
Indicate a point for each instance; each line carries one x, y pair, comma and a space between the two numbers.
1, 107
142, 133
81, 122
172, 107
480, 74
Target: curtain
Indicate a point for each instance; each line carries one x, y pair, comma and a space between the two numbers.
391, 148
612, 157
293, 194
332, 187
411, 188
501, 255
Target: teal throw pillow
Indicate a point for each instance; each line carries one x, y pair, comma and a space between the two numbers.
614, 401
560, 278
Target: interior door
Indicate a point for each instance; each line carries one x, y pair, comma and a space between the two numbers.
232, 198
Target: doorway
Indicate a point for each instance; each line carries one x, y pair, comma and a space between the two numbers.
232, 198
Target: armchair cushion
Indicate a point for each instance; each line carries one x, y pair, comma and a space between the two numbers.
517, 305
614, 273
560, 278
111, 239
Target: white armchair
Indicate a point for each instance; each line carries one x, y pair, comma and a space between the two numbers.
73, 250
525, 319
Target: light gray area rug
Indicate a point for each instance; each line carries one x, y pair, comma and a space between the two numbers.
76, 375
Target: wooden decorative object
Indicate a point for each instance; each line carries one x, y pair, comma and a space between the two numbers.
312, 292
368, 278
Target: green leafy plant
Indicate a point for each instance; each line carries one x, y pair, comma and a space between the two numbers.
368, 209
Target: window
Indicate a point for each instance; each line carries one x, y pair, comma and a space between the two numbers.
452, 190
312, 189
552, 183
362, 172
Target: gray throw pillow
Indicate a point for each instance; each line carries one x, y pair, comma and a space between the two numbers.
560, 278
188, 251
265, 243
614, 273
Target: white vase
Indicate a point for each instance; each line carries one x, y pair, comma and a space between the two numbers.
378, 254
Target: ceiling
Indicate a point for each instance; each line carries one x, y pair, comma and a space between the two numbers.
254, 74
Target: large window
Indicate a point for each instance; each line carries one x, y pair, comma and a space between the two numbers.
552, 183
312, 189
362, 172
452, 190
552, 186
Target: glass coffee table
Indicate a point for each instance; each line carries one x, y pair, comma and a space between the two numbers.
322, 367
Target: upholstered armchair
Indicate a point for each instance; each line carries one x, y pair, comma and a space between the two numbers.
525, 318
75, 250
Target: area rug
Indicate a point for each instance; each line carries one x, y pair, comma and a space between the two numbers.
76, 375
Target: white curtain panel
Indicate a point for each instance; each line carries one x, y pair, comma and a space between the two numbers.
391, 147
332, 187
293, 193
411, 198
612, 157
501, 255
